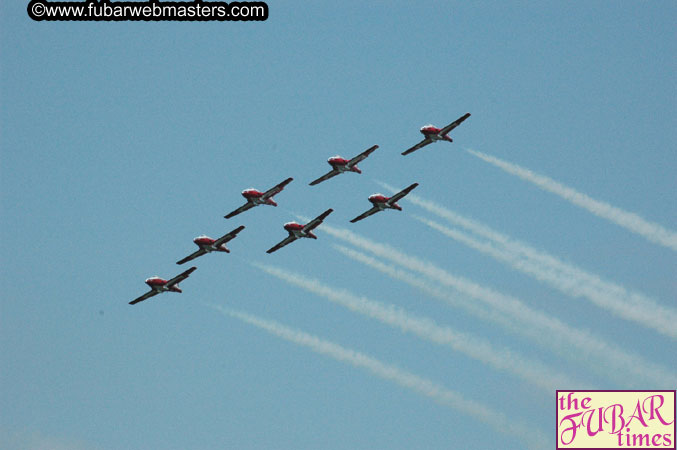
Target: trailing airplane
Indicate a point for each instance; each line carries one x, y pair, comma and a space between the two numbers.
208, 245
433, 134
255, 198
381, 202
340, 165
297, 231
158, 285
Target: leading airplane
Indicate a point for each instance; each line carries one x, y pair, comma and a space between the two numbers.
297, 231
208, 245
255, 198
433, 134
340, 165
381, 202
158, 285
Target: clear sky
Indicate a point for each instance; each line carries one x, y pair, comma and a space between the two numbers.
121, 142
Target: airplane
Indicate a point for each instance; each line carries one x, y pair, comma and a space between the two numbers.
255, 198
208, 245
340, 165
158, 285
297, 231
381, 202
433, 134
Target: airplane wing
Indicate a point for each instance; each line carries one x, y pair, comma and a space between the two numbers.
362, 156
270, 192
145, 296
421, 144
192, 256
243, 208
367, 213
227, 237
317, 220
326, 176
401, 194
282, 243
453, 125
180, 277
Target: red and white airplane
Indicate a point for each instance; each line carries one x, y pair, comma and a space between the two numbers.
255, 198
340, 165
208, 245
158, 285
381, 202
297, 231
433, 134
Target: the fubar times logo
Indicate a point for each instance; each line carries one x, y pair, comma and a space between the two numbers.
615, 419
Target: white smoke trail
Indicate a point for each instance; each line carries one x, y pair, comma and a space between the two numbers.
518, 317
565, 277
440, 394
434, 290
494, 299
474, 347
452, 217
575, 282
653, 232
628, 369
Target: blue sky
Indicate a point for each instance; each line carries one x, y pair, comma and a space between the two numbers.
121, 142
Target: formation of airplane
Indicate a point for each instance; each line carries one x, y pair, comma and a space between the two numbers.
340, 165
159, 285
296, 231
208, 245
381, 202
434, 134
256, 198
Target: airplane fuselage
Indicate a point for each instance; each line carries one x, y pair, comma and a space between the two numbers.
160, 285
297, 230
341, 164
433, 133
208, 244
381, 202
256, 197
